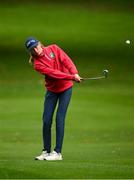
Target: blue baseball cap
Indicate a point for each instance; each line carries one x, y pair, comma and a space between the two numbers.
31, 42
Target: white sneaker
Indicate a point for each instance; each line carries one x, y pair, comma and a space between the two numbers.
43, 155
54, 156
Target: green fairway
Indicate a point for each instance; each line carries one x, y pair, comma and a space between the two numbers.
98, 141
99, 133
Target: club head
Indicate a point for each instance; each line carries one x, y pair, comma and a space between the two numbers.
105, 73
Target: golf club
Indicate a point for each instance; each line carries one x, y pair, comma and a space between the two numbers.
105, 75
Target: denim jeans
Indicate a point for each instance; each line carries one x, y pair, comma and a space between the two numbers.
51, 100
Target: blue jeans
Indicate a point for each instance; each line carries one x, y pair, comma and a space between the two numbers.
51, 99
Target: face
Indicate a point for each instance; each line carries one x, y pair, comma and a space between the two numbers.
38, 49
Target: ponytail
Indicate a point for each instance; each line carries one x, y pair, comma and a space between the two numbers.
31, 59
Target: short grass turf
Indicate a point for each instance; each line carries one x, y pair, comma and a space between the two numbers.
98, 136
99, 133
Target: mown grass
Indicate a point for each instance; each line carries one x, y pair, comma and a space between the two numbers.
99, 138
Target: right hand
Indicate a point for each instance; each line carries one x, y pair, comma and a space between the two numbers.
77, 78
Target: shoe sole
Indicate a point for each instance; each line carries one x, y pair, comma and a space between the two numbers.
53, 159
36, 159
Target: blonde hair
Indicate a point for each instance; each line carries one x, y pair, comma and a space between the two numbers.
31, 59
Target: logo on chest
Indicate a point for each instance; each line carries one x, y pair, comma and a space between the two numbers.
52, 55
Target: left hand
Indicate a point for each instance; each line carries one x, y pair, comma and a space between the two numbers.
77, 78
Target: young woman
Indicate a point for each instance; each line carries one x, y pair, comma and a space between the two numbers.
59, 72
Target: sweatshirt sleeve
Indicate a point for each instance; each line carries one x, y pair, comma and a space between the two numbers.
41, 68
67, 62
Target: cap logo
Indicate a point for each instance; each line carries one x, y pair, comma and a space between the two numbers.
31, 41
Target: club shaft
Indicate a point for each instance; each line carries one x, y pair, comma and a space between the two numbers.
95, 78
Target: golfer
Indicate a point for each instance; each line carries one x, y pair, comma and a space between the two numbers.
59, 72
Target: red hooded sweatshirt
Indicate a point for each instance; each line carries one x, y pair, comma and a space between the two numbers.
57, 67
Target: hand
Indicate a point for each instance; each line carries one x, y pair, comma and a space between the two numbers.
77, 78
